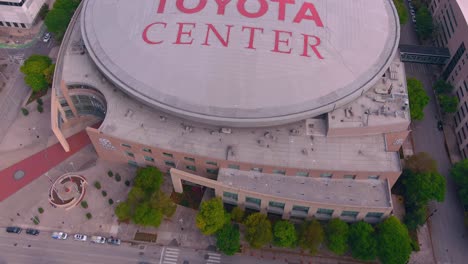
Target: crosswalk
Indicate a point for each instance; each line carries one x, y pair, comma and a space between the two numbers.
213, 258
170, 256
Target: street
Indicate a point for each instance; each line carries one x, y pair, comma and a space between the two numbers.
446, 224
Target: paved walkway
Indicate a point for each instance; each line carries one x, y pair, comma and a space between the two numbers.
38, 164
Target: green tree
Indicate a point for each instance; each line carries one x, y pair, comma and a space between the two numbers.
37, 82
421, 162
211, 216
284, 234
443, 87
415, 216
394, 242
35, 64
228, 239
57, 21
459, 173
420, 188
162, 202
258, 230
145, 215
424, 23
402, 11
136, 195
237, 214
123, 211
68, 6
337, 232
49, 73
149, 179
418, 98
362, 241
448, 103
311, 236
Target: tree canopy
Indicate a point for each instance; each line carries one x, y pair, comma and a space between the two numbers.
284, 234
237, 214
394, 242
421, 162
146, 215
337, 232
38, 70
448, 103
402, 11
424, 23
59, 17
228, 239
123, 211
258, 230
459, 172
362, 241
211, 216
37, 82
418, 98
311, 236
149, 179
420, 188
443, 87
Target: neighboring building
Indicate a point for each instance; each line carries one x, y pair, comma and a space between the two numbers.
299, 111
452, 20
19, 13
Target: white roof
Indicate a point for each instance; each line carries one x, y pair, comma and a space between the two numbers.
230, 83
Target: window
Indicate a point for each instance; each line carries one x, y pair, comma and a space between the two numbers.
276, 205
282, 172
352, 177
302, 173
326, 175
253, 200
374, 215
229, 195
301, 208
453, 15
233, 166
191, 168
168, 155
454, 61
147, 150
189, 159
8, 24
212, 163
1, 23
12, 3
169, 163
130, 154
374, 177
352, 214
257, 169
132, 163
15, 24
323, 211
147, 158
212, 171
23, 25
126, 145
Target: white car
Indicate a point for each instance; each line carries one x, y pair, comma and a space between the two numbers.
98, 239
80, 237
46, 37
59, 235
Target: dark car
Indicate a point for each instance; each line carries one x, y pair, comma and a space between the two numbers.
14, 229
113, 241
33, 232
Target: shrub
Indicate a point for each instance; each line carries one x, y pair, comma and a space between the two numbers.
110, 173
127, 182
118, 177
84, 204
104, 193
97, 184
40, 210
24, 111
39, 101
89, 216
40, 108
237, 214
35, 220
111, 202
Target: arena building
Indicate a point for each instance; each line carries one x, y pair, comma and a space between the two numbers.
295, 108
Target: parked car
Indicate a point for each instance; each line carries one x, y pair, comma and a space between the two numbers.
14, 229
59, 235
113, 241
47, 36
33, 232
80, 237
98, 239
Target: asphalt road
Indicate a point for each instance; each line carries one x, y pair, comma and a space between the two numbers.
446, 225
16, 90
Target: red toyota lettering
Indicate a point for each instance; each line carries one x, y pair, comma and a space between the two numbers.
261, 11
314, 16
180, 5
222, 6
282, 7
162, 5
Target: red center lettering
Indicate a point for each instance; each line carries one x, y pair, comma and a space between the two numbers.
224, 42
181, 32
145, 33
252, 36
278, 41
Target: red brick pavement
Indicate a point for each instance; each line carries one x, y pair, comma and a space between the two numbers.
38, 164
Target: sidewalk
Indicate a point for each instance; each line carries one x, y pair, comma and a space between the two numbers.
16, 38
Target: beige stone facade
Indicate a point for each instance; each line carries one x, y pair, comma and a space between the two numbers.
19, 13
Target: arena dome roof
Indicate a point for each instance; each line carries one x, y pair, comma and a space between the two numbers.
242, 62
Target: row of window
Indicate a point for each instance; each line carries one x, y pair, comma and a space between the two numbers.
446, 19
12, 24
9, 3
297, 209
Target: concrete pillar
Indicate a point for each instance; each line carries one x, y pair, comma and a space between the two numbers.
176, 183
337, 213
287, 210
66, 95
361, 215
219, 192
264, 206
311, 213
241, 200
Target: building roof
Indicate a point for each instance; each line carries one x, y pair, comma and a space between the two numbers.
233, 85
344, 192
